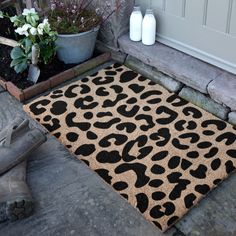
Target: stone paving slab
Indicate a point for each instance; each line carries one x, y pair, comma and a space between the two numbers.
187, 69
70, 198
204, 102
223, 90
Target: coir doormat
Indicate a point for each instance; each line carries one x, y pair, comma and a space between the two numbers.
158, 151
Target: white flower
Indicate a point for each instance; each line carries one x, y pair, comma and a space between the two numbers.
1, 14
13, 19
26, 12
23, 30
33, 31
40, 28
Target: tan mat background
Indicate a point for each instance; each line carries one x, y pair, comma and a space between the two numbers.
158, 151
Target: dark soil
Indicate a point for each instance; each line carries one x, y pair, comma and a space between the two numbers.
20, 80
8, 73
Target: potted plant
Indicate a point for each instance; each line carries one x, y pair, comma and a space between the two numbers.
77, 23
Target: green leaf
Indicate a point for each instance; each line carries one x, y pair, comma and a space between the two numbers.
28, 45
16, 61
17, 52
21, 67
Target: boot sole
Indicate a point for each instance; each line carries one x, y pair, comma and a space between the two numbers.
20, 208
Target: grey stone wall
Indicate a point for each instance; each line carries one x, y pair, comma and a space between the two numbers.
118, 24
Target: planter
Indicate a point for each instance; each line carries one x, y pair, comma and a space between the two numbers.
54, 81
76, 48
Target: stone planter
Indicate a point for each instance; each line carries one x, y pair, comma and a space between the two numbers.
54, 81
76, 48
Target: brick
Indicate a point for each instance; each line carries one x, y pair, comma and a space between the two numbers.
204, 102
232, 118
223, 90
151, 73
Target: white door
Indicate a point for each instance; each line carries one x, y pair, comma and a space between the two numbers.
203, 28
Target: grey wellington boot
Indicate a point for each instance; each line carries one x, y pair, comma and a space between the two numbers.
16, 201
16, 143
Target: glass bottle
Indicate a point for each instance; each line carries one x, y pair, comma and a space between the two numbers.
149, 28
136, 19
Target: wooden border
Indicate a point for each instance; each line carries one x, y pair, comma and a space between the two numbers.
54, 81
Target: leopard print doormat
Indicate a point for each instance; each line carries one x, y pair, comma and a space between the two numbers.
158, 151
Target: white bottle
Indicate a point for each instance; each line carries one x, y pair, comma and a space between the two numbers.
136, 20
149, 28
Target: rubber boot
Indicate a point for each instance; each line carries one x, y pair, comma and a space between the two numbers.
18, 144
15, 198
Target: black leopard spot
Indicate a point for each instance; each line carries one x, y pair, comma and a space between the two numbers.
110, 103
185, 164
57, 135
194, 138
146, 108
120, 186
84, 126
228, 136
217, 181
193, 154
55, 125
85, 80
191, 110
203, 189
160, 155
108, 157
132, 101
157, 224
157, 169
204, 145
110, 72
215, 164
104, 174
69, 92
148, 120
176, 101
91, 135
108, 124
170, 208
158, 196
156, 212
117, 65
127, 76
150, 93
208, 132
80, 103
37, 108
229, 167
213, 151
231, 153
128, 126
85, 150
130, 113
88, 115
117, 88
164, 121
189, 200
103, 80
200, 172
47, 118
221, 125
151, 83
119, 140
104, 114
181, 185
180, 125
142, 78
162, 136
125, 196
102, 92
172, 220
85, 89
174, 162
139, 170
142, 202
136, 88
72, 137
155, 183
178, 145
